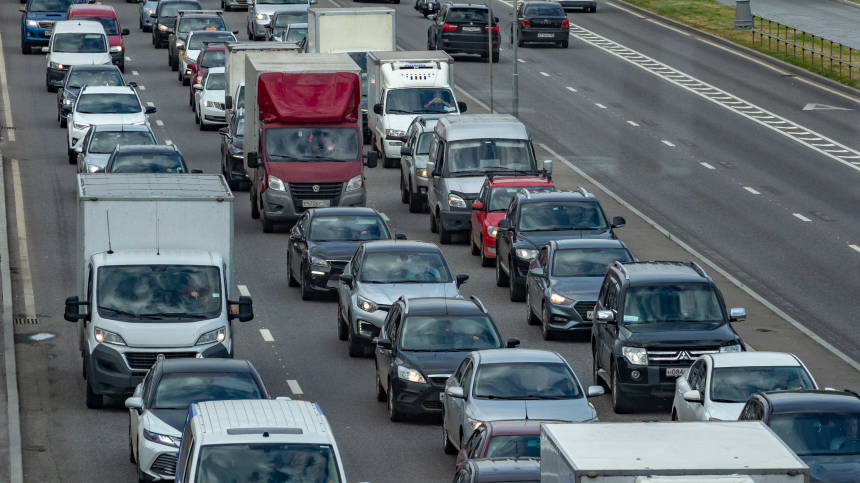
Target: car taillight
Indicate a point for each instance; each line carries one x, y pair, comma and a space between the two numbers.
495, 29
448, 28
565, 24
526, 24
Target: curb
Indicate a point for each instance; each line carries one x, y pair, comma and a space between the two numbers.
799, 71
848, 3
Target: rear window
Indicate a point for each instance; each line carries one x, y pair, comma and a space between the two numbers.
285, 19
104, 142
50, 5
190, 24
197, 41
147, 163
215, 82
172, 9
544, 11
85, 77
109, 23
213, 58
467, 15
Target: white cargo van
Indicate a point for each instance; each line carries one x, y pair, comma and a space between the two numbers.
258, 440
74, 42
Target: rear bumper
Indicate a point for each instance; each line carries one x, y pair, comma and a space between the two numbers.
577, 3
463, 47
544, 35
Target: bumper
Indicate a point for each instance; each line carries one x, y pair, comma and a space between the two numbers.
237, 3
212, 115
544, 35
419, 184
258, 27
652, 380
366, 325
146, 20
117, 58
456, 220
520, 269
467, 47
392, 147
52, 75
415, 398
149, 453
36, 36
577, 4
161, 35
565, 318
321, 281
281, 207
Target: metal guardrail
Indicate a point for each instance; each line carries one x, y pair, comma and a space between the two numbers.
816, 46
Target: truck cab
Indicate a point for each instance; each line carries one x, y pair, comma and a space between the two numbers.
38, 19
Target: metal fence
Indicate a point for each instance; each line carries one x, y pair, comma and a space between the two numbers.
809, 47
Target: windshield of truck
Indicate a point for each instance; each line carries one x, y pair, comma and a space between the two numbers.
348, 228
445, 333
520, 446
84, 77
561, 216
296, 34
105, 141
197, 41
108, 104
215, 82
147, 163
284, 19
587, 262
737, 384
476, 156
818, 433
285, 144
429, 100
172, 9
142, 293
178, 391
526, 380
267, 463
424, 144
80, 43
50, 5
671, 303
404, 267
109, 23
212, 58
201, 23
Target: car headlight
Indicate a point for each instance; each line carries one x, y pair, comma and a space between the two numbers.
421, 173
162, 27
161, 438
636, 355
116, 48
81, 125
32, 23
179, 43
526, 253
261, 16
217, 335
208, 104
275, 183
394, 132
93, 168
367, 305
55, 65
354, 183
149, 11
319, 264
474, 423
68, 102
455, 201
559, 299
411, 375
736, 347
492, 231
108, 337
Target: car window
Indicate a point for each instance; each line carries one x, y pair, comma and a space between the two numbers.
50, 5
285, 19
542, 257
737, 384
699, 379
449, 333
79, 43
818, 433
109, 23
172, 9
405, 267
267, 462
147, 387
671, 303
296, 34
560, 215
587, 262
197, 41
419, 100
78, 78
191, 24
612, 296
475, 442
180, 390
213, 58
348, 228
215, 82
544, 11
104, 142
424, 143
693, 373
393, 327
467, 15
185, 449
147, 163
519, 446
467, 378
108, 104
458, 374
526, 380
355, 264
489, 155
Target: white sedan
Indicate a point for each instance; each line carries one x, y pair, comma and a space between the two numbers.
717, 386
209, 99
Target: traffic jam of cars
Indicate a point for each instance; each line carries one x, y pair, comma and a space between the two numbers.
199, 412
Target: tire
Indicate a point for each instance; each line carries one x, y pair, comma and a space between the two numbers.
444, 235
291, 279
380, 393
416, 204
131, 458
595, 371
250, 35
73, 158
621, 403
179, 75
545, 332
386, 161
306, 293
495, 57
122, 67
342, 328
564, 44
674, 415
517, 292
394, 414
475, 250
50, 87
255, 208
175, 64
404, 195
447, 446
485, 260
186, 81
433, 222
354, 346
520, 43
233, 185
197, 119
94, 401
268, 225
25, 49
593, 9
63, 121
531, 319
502, 279
203, 127
170, 60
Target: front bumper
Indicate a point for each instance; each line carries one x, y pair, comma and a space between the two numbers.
212, 115
258, 27
456, 220
392, 147
281, 207
366, 325
117, 58
321, 281
544, 35
416, 398
36, 36
161, 35
53, 75
652, 380
237, 168
146, 20
237, 3
567, 317
157, 461
520, 267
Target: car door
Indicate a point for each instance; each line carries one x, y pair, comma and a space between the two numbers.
406, 160
143, 391
449, 416
684, 384
537, 285
519, 22
298, 247
345, 291
437, 182
433, 33
477, 219
504, 238
385, 357
85, 147
461, 405
608, 331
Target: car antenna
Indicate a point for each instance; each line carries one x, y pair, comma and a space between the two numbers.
157, 241
110, 250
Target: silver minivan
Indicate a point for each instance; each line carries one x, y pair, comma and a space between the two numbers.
413, 163
464, 150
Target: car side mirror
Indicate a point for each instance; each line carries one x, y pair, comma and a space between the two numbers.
224, 131
132, 84
504, 224
58, 83
126, 32
478, 206
134, 403
737, 314
536, 272
347, 279
267, 26
72, 313
197, 87
383, 343
399, 236
153, 15
196, 171
605, 316
22, 8
252, 160
372, 159
295, 237
462, 106
246, 309
377, 109
547, 166
228, 102
431, 168
405, 151
594, 391
496, 19
693, 396
181, 47
455, 392
618, 221
461, 279
512, 343
45, 50
150, 110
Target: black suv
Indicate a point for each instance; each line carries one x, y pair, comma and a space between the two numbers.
535, 218
652, 320
459, 29
164, 18
821, 427
186, 22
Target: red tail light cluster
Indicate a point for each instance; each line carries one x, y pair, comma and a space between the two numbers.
565, 24
495, 29
526, 24
448, 28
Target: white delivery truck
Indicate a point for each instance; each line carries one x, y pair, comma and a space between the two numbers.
154, 275
667, 452
401, 86
234, 70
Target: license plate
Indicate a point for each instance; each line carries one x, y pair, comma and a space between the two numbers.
675, 371
48, 33
470, 29
442, 396
546, 36
315, 203
589, 315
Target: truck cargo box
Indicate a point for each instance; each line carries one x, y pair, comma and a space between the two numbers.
311, 98
351, 29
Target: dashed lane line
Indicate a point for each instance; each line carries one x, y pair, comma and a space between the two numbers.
158, 122
544, 74
134, 72
751, 190
632, 123
150, 104
7, 104
600, 105
267, 336
521, 61
571, 89
667, 143
243, 290
294, 386
855, 247
168, 142
127, 58
801, 217
707, 165
142, 88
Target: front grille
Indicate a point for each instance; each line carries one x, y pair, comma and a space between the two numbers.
323, 191
440, 379
46, 25
165, 465
145, 360
337, 264
684, 357
432, 404
583, 308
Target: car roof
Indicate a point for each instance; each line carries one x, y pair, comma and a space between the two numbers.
558, 195
193, 364
467, 5
94, 67
491, 356
588, 243
659, 271
91, 10
516, 427
480, 126
400, 246
507, 469
540, 3
754, 359
211, 47
292, 9
442, 306
75, 26
146, 148
297, 26
108, 89
121, 128
246, 421
216, 70
342, 210
809, 401
516, 181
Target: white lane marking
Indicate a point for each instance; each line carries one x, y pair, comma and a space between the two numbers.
243, 290
474, 99
600, 105
158, 122
828, 89
801, 217
134, 72
855, 247
631, 12
823, 107
150, 104
142, 88
168, 142
632, 123
23, 252
667, 27
707, 165
667, 143
336, 3
7, 104
267, 336
294, 386
752, 293
521, 61
759, 62
751, 190
571, 89
127, 58
544, 74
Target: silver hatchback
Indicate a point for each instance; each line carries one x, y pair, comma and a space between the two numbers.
414, 154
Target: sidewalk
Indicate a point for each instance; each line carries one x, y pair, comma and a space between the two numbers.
835, 21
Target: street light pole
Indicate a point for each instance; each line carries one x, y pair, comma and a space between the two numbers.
515, 101
490, 51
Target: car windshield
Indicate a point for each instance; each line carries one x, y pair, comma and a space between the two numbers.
443, 333
737, 384
587, 262
191, 24
215, 82
178, 390
420, 100
212, 58
240, 128
105, 141
348, 228
296, 34
544, 11
83, 77
284, 19
109, 23
424, 143
147, 163
526, 380
562, 215
50, 5
476, 156
404, 267
172, 9
109, 104
307, 144
818, 433
145, 293
519, 446
671, 303
500, 198
467, 15
80, 43
267, 463
197, 41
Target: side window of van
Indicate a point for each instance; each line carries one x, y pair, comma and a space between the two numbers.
185, 450
433, 144
186, 477
440, 156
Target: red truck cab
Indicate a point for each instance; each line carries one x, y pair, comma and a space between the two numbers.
490, 207
106, 15
307, 135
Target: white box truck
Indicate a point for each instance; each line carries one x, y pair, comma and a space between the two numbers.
154, 275
401, 86
667, 452
234, 70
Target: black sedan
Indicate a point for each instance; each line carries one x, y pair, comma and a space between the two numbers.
563, 282
84, 75
543, 22
324, 240
233, 151
147, 158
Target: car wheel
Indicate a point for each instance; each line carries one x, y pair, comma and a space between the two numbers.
386, 161
501, 277
495, 57
342, 328
291, 279
416, 204
530, 316
140, 474
255, 209
131, 457
595, 371
517, 292
475, 250
50, 87
196, 118
520, 42
63, 121
433, 222
674, 415
306, 292
203, 127
380, 393
94, 401
353, 345
394, 414
485, 260
404, 195
564, 44
444, 235
175, 64
73, 158
448, 447
169, 59
268, 225
547, 334
593, 9
621, 403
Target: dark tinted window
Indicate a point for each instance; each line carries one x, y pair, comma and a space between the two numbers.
147, 163
178, 391
109, 104
562, 215
489, 155
267, 462
191, 24
671, 303
80, 43
360, 58
544, 11
109, 23
198, 40
818, 433
296, 34
50, 5
213, 58
285, 19
449, 333
105, 141
526, 380
500, 197
348, 228
171, 9
520, 446
80, 77
587, 262
215, 82
467, 15
403, 267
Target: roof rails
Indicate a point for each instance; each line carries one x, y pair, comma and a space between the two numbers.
525, 191
698, 269
582, 191
183, 12
623, 269
479, 303
849, 391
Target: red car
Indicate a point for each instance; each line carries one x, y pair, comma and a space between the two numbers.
212, 55
490, 207
503, 439
106, 15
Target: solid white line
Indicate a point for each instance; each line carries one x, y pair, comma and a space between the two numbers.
334, 2
23, 251
243, 290
631, 12
7, 104
751, 190
667, 143
294, 386
158, 122
632, 123
707, 165
812, 335
134, 72
668, 27
267, 336
802, 218
542, 73
571, 89
759, 62
475, 100
855, 247
600, 105
127, 58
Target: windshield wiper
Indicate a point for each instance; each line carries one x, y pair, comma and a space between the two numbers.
178, 315
399, 111
281, 156
510, 397
128, 314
